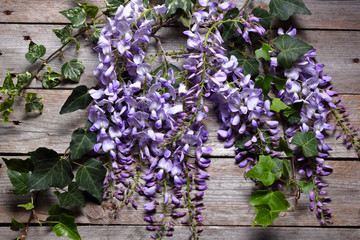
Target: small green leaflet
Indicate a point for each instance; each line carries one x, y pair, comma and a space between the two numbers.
81, 143
249, 65
279, 82
112, 6
6, 108
35, 52
264, 83
308, 142
277, 167
263, 171
268, 205
8, 85
51, 79
90, 9
23, 79
277, 105
263, 52
76, 15
242, 140
174, 5
283, 147
27, 206
19, 165
291, 49
33, 103
90, 178
66, 227
266, 17
78, 99
96, 34
285, 8
54, 212
65, 34
306, 187
293, 113
230, 28
49, 170
72, 70
15, 225
73, 197
19, 181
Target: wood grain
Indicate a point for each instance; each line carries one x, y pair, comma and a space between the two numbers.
226, 200
325, 14
182, 233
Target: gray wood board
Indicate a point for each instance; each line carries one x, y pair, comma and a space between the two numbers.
226, 200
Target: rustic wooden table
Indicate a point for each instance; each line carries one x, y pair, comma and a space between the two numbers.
333, 29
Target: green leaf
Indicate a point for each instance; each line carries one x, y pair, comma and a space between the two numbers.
293, 112
8, 85
174, 5
291, 49
23, 79
51, 79
81, 143
67, 227
112, 6
283, 147
27, 206
286, 168
285, 8
73, 197
78, 99
268, 205
49, 170
54, 212
306, 187
264, 83
277, 105
19, 165
33, 103
72, 70
65, 34
96, 34
249, 65
263, 52
146, 3
279, 82
308, 142
35, 52
277, 167
15, 225
266, 17
19, 180
90, 178
76, 15
230, 28
262, 171
6, 108
242, 140
90, 9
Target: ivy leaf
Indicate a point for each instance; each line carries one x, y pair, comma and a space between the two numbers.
8, 85
306, 187
19, 165
6, 108
65, 34
72, 70
283, 147
263, 52
73, 197
268, 205
67, 227
27, 206
279, 82
19, 181
174, 5
90, 178
76, 15
78, 99
23, 79
95, 35
277, 105
264, 83
35, 52
230, 29
277, 167
286, 168
54, 212
51, 79
90, 9
240, 143
49, 170
285, 8
81, 143
308, 142
33, 103
291, 49
112, 6
15, 225
249, 65
262, 171
266, 17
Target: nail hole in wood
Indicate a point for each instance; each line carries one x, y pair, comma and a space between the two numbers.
1, 53
16, 122
27, 38
12, 75
7, 12
356, 60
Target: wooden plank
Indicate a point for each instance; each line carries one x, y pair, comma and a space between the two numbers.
53, 130
181, 233
337, 50
226, 200
325, 14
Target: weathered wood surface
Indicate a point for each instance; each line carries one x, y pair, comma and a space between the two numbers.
338, 50
226, 200
182, 233
341, 14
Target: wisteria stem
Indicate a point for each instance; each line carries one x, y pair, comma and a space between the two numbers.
191, 221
